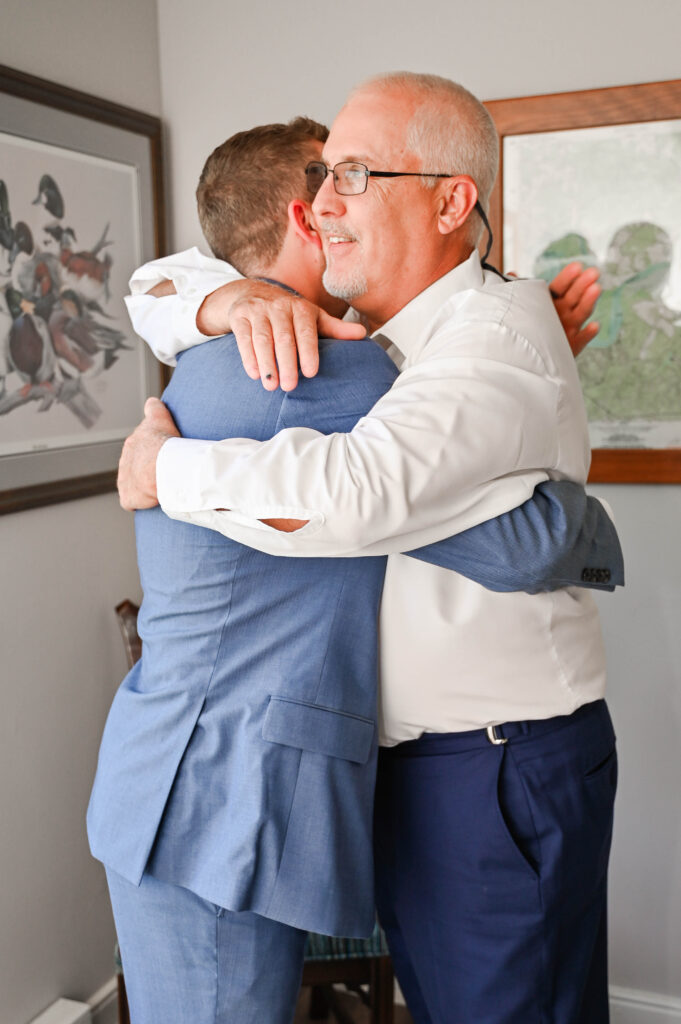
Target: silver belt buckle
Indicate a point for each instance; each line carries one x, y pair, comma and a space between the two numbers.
493, 738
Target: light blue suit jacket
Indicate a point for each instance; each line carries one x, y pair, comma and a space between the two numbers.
238, 758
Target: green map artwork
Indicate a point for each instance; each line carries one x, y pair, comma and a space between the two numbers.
632, 370
609, 196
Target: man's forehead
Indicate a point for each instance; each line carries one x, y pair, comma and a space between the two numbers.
371, 126
349, 153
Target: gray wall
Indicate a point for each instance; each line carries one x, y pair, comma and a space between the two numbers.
225, 67
643, 639
63, 568
264, 62
261, 61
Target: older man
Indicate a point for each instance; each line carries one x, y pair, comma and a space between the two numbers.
496, 787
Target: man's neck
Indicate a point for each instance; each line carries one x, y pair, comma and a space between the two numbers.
276, 281
304, 281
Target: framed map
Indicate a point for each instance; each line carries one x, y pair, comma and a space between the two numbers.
596, 176
80, 208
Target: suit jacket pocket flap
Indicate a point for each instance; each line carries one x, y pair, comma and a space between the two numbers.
320, 730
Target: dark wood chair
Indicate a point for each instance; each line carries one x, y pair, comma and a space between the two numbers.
126, 613
329, 961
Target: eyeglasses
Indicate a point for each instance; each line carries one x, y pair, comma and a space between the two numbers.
350, 178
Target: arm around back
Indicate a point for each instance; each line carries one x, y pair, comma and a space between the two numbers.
559, 537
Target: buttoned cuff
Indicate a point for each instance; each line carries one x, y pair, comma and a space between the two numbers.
166, 344
178, 474
184, 322
179, 468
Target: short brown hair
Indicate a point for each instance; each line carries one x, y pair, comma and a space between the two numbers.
245, 188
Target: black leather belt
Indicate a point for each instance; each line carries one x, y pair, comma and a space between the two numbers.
452, 742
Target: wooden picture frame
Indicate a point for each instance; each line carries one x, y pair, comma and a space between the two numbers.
74, 377
646, 109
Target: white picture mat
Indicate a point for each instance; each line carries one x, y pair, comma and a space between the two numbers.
96, 192
83, 135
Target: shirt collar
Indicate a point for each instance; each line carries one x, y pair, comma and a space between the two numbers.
410, 328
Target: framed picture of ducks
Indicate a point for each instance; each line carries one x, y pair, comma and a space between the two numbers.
595, 176
81, 205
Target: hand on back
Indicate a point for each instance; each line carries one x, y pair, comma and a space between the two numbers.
575, 292
274, 329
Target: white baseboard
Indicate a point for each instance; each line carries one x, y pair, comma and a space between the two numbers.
104, 1003
634, 1006
65, 1011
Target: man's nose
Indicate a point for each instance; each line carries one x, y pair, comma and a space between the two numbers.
327, 201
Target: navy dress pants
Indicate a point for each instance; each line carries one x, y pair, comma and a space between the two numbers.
491, 866
188, 961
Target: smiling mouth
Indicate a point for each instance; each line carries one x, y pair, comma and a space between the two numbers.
337, 237
337, 244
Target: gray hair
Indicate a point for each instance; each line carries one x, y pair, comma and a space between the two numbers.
451, 131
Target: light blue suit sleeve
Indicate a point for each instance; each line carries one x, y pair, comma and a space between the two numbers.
559, 537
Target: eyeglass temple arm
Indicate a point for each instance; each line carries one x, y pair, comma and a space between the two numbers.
490, 239
404, 174
420, 174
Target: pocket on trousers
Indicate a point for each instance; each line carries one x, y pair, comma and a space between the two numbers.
604, 769
318, 729
516, 817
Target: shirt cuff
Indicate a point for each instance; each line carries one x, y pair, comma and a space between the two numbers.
166, 344
184, 324
179, 490
178, 473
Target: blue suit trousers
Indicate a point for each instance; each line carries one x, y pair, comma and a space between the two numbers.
188, 961
491, 864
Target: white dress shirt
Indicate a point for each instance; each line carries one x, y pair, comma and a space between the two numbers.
170, 327
488, 403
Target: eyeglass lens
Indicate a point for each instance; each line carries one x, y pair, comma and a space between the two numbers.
315, 173
349, 179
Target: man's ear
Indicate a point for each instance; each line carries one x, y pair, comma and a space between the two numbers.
457, 201
302, 222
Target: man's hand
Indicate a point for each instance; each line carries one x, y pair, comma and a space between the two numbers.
575, 292
273, 329
137, 468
